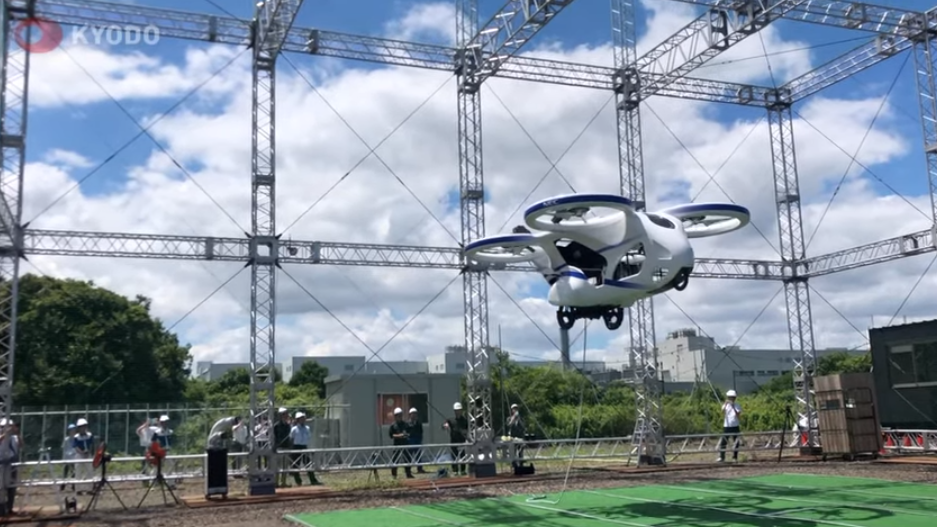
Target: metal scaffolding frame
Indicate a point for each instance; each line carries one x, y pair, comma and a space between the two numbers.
491, 50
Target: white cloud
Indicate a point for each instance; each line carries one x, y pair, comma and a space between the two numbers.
425, 22
66, 158
94, 73
369, 205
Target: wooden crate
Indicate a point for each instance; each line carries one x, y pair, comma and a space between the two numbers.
847, 412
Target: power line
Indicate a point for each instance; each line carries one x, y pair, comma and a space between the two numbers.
782, 52
913, 288
710, 175
552, 163
144, 130
374, 353
371, 150
865, 136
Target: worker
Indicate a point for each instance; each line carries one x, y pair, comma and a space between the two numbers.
11, 444
516, 431
282, 443
68, 455
222, 431
145, 433
162, 435
416, 439
515, 423
458, 431
240, 443
400, 435
83, 444
300, 439
731, 412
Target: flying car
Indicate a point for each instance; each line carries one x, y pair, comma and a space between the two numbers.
600, 255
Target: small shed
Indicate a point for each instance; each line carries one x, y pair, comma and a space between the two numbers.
371, 399
848, 414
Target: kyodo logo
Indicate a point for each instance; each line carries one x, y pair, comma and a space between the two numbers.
36, 35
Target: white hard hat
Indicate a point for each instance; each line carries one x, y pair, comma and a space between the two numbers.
398, 411
413, 410
513, 406
282, 411
3, 422
81, 422
457, 406
731, 393
163, 418
299, 415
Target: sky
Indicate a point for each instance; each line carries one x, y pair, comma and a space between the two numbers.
191, 176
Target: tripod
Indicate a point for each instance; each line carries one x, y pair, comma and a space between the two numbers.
99, 486
789, 420
163, 486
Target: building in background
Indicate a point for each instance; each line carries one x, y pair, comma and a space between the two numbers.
371, 400
452, 362
687, 357
212, 371
347, 365
904, 365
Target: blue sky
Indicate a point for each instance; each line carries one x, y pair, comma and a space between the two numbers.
584, 23
78, 128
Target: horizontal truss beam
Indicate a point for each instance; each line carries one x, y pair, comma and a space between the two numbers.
921, 242
228, 30
597, 450
837, 13
169, 247
508, 31
896, 28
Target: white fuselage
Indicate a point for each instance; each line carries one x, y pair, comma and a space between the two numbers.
582, 279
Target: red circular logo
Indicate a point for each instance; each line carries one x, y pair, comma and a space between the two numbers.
38, 36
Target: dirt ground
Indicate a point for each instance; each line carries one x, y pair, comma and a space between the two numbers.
154, 514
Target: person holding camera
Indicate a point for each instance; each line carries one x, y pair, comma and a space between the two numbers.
731, 426
400, 435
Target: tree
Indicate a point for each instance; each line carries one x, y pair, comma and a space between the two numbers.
82, 344
829, 364
311, 374
843, 362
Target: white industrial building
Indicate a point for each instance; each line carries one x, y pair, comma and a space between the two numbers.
455, 360
348, 365
212, 371
451, 362
687, 357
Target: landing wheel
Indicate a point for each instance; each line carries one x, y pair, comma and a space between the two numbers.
683, 279
565, 318
613, 318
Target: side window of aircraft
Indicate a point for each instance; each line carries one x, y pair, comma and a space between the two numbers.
663, 222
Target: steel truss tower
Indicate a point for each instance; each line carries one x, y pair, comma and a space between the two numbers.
271, 25
482, 52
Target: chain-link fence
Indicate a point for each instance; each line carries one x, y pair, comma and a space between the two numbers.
45, 426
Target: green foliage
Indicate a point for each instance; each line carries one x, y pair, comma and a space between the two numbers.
79, 344
550, 400
311, 375
842, 362
83, 344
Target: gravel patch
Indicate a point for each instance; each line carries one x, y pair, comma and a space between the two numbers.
271, 514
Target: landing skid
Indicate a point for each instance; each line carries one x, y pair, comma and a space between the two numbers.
613, 316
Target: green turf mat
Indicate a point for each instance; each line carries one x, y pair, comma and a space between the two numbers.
764, 501
686, 506
905, 498
463, 513
869, 485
